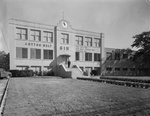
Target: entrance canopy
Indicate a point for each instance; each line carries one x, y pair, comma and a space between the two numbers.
65, 55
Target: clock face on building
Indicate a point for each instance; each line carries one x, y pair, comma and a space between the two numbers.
64, 24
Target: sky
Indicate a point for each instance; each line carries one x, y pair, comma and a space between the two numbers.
119, 20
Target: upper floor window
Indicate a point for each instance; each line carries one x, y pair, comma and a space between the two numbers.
47, 36
88, 56
21, 52
109, 55
96, 42
79, 40
117, 56
35, 35
88, 41
64, 38
21, 33
96, 57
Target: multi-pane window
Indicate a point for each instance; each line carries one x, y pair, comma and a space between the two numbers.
125, 56
65, 38
109, 55
125, 69
88, 56
77, 56
79, 40
108, 68
22, 67
117, 56
21, 33
21, 52
117, 69
132, 69
88, 41
35, 53
47, 36
96, 57
96, 42
48, 54
35, 35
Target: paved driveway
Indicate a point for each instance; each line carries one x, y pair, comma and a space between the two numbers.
69, 97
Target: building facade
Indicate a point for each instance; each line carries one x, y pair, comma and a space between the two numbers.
42, 47
120, 62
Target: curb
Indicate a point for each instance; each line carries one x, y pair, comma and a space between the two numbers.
2, 99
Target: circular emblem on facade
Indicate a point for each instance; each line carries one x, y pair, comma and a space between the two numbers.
64, 24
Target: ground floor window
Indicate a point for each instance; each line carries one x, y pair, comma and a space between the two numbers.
125, 69
108, 68
97, 70
47, 68
35, 68
117, 69
88, 70
82, 68
22, 67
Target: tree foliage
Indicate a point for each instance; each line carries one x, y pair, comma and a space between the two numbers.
142, 43
4, 60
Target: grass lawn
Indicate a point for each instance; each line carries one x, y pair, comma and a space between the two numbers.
69, 97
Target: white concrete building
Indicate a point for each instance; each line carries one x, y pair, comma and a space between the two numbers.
48, 47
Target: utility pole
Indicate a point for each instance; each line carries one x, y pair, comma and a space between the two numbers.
101, 45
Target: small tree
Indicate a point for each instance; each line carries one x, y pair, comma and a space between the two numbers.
142, 55
4, 60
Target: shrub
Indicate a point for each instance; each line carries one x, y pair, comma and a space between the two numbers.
48, 73
21, 73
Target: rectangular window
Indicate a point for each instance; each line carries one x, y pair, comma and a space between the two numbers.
117, 69
21, 33
47, 36
21, 52
65, 38
79, 40
96, 42
117, 56
77, 56
132, 69
35, 35
88, 56
22, 67
96, 57
35, 53
109, 55
125, 69
108, 68
48, 54
125, 56
88, 41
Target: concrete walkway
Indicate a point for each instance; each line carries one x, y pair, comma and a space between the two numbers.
3, 91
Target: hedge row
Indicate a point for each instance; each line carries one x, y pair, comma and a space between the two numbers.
123, 83
30, 73
22, 73
127, 79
